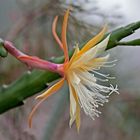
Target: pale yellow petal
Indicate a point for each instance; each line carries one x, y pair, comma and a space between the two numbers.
78, 121
92, 53
72, 117
93, 41
73, 56
43, 97
52, 89
73, 103
100, 48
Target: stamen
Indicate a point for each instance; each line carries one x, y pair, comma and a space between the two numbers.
113, 89
103, 75
113, 61
103, 65
90, 100
108, 66
102, 80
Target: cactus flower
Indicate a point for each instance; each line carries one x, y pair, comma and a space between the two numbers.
80, 72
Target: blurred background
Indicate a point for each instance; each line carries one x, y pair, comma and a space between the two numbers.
28, 24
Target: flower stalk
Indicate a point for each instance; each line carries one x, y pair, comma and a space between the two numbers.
31, 61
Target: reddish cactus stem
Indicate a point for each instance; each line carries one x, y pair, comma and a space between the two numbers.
32, 61
12, 49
